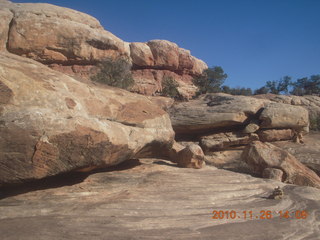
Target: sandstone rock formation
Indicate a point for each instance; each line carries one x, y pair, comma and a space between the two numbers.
212, 112
155, 200
222, 141
260, 156
307, 153
311, 103
51, 123
271, 135
73, 42
277, 115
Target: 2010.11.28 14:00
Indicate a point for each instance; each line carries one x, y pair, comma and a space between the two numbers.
263, 214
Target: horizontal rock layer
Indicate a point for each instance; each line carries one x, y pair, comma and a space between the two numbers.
73, 42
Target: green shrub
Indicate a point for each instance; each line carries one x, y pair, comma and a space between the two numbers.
315, 123
115, 73
170, 88
210, 80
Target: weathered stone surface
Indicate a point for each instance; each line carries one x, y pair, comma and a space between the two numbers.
222, 141
310, 102
141, 54
271, 135
52, 34
74, 43
163, 102
307, 153
155, 200
265, 155
273, 173
212, 111
149, 82
55, 124
277, 115
165, 54
5, 19
186, 62
198, 66
191, 156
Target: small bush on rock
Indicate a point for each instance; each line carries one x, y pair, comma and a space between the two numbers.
115, 73
170, 88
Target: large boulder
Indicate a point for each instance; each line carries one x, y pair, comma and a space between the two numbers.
260, 156
191, 156
52, 34
213, 111
165, 53
309, 102
51, 123
278, 115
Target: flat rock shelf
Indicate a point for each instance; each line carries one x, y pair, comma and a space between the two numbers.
154, 199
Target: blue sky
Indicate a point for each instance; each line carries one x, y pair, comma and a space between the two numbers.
252, 40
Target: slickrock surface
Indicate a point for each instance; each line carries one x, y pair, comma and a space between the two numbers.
51, 123
157, 200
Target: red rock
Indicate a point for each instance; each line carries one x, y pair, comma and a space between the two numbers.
141, 54
55, 124
165, 54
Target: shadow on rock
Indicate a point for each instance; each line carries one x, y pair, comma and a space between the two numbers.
67, 179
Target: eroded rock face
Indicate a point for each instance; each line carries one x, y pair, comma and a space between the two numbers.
141, 54
6, 16
55, 124
277, 115
74, 43
265, 155
271, 135
61, 36
213, 111
309, 102
222, 141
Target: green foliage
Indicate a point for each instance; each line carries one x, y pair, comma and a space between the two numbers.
306, 86
237, 91
277, 87
210, 80
262, 90
315, 123
115, 73
170, 88
302, 86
